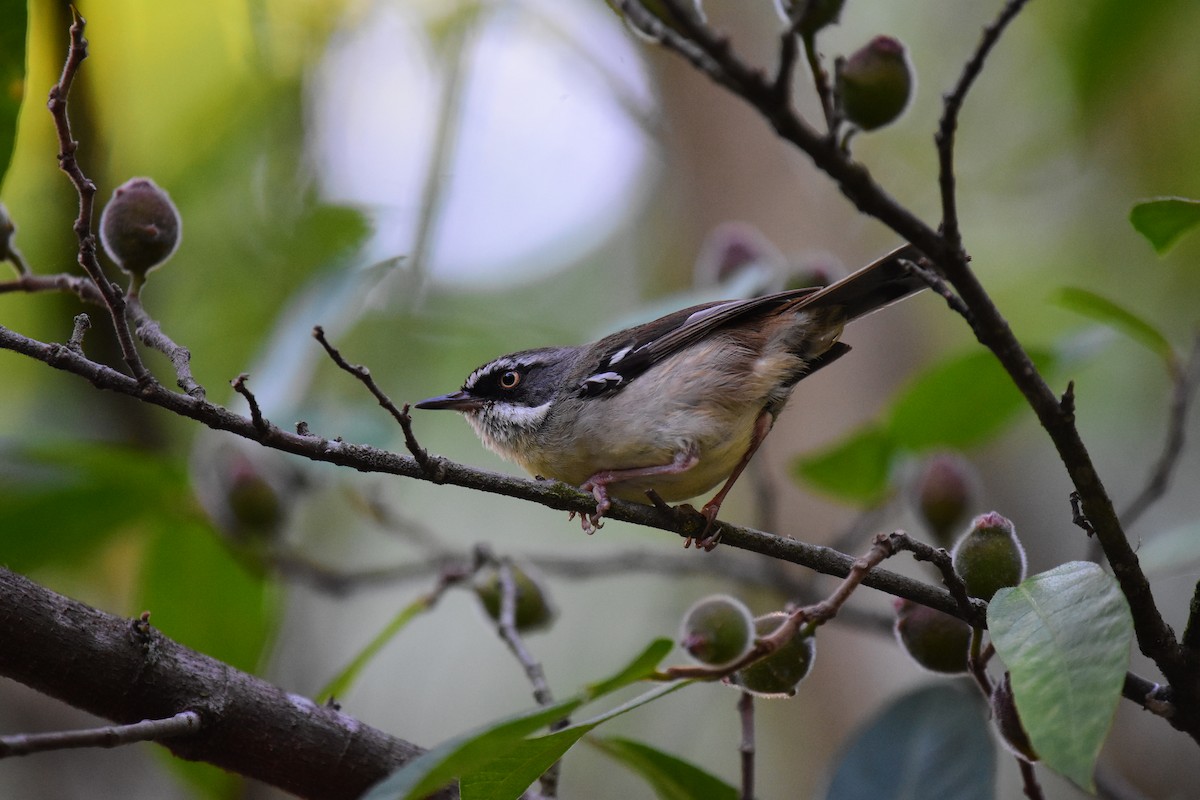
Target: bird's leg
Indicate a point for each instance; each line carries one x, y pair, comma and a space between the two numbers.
598, 483
762, 426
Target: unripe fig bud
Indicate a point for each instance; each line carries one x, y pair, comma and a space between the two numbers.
989, 556
942, 494
254, 503
7, 229
533, 610
780, 673
717, 630
935, 640
732, 249
875, 84
140, 227
1008, 721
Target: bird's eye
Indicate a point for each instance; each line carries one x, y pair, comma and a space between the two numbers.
509, 379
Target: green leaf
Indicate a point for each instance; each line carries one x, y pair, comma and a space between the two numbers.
955, 404
509, 776
672, 777
341, 683
856, 469
1103, 310
473, 755
638, 669
1065, 635
468, 753
1164, 220
13, 23
933, 742
65, 502
958, 403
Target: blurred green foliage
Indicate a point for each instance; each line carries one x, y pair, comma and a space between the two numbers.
12, 76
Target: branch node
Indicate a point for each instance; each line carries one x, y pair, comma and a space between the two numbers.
945, 565
256, 417
940, 287
431, 466
1067, 402
82, 323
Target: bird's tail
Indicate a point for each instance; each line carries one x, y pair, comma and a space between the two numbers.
871, 288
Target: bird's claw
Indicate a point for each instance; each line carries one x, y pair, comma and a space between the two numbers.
594, 521
708, 537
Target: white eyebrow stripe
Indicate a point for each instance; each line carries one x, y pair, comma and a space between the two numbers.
500, 363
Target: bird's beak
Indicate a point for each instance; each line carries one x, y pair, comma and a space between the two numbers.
456, 401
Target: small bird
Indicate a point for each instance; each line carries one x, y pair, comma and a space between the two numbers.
673, 406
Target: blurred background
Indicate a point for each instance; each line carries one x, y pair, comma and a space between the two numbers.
438, 183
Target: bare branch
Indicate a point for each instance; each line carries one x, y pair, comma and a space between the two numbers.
507, 627
148, 330
746, 747
940, 559
256, 418
401, 415
551, 494
935, 282
949, 123
114, 299
1182, 394
102, 664
148, 730
1029, 781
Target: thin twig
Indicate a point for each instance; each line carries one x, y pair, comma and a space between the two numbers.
1183, 392
430, 464
79, 285
149, 730
810, 617
145, 327
506, 625
821, 84
746, 747
86, 189
256, 417
977, 659
952, 105
940, 559
939, 286
1029, 781
785, 73
652, 26
150, 332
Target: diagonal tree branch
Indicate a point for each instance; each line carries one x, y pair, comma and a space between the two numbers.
551, 494
127, 671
